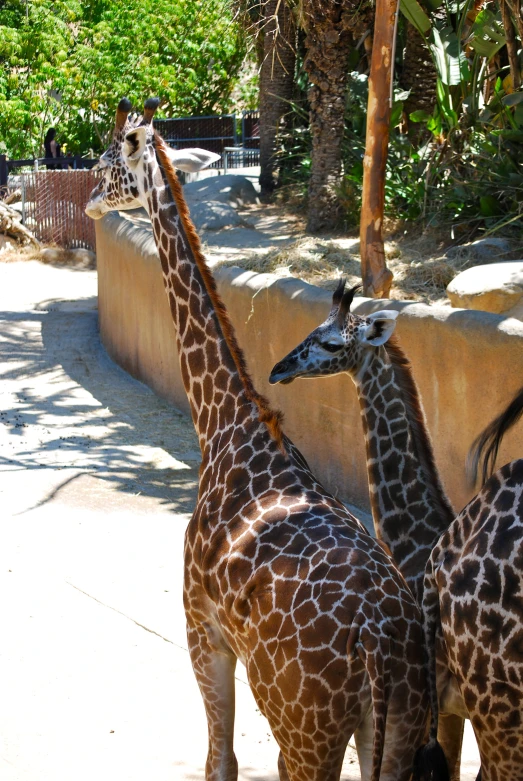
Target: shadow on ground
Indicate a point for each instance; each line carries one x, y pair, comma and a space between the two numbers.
68, 406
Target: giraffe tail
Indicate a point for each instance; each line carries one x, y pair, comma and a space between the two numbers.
484, 449
430, 763
374, 649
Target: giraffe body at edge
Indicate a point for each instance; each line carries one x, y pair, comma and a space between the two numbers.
410, 509
474, 595
278, 574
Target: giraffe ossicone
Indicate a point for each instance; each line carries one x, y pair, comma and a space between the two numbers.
277, 572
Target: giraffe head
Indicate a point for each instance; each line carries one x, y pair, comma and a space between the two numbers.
130, 161
343, 343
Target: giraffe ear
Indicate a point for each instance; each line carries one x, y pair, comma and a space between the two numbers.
380, 327
192, 160
134, 143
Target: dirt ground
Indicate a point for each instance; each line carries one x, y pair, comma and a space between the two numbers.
97, 480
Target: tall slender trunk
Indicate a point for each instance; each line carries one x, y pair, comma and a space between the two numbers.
377, 278
512, 46
276, 82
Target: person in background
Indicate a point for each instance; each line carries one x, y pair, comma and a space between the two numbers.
52, 148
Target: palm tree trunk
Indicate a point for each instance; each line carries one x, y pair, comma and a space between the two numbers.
328, 27
276, 82
418, 74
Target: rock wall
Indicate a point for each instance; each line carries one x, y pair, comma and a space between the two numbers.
467, 364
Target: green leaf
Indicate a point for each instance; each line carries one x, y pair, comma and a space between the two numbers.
512, 99
447, 54
396, 113
489, 206
518, 115
413, 11
486, 35
419, 116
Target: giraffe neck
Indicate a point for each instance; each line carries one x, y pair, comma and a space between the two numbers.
220, 391
409, 506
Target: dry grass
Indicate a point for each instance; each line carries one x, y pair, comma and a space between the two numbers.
420, 266
50, 255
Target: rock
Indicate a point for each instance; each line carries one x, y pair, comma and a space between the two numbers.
78, 258
7, 243
83, 257
214, 216
494, 287
488, 249
231, 189
52, 255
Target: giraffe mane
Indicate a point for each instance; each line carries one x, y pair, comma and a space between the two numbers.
271, 418
416, 418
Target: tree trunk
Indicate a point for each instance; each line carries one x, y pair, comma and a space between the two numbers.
418, 75
326, 63
512, 47
330, 29
276, 82
377, 278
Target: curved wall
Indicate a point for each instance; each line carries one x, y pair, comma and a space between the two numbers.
467, 364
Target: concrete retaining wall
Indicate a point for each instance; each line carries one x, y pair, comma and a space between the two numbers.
468, 364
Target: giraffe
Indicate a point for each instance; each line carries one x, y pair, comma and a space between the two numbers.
277, 573
410, 509
474, 595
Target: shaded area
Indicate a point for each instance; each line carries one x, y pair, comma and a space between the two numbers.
65, 404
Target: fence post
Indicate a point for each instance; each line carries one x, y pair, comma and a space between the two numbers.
23, 199
3, 171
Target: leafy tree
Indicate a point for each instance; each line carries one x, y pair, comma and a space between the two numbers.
69, 63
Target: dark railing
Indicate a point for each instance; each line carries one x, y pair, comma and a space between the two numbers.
54, 163
215, 134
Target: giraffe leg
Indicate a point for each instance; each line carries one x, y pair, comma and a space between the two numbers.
364, 739
282, 768
214, 664
450, 737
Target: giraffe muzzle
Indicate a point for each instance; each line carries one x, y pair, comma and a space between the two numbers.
281, 374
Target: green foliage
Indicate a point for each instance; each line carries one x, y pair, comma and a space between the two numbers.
68, 63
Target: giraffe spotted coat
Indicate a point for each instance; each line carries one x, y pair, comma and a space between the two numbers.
277, 573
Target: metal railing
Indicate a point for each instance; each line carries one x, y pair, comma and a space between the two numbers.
55, 191
217, 134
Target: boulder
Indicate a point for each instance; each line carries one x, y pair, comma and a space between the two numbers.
7, 243
495, 287
232, 189
83, 257
488, 249
214, 216
79, 257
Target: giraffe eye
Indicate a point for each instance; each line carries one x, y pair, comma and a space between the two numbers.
331, 347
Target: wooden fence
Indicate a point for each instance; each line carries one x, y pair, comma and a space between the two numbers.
53, 206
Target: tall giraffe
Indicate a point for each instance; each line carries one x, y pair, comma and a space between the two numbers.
474, 595
277, 573
410, 509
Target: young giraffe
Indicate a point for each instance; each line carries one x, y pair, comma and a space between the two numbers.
409, 507
474, 595
277, 573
